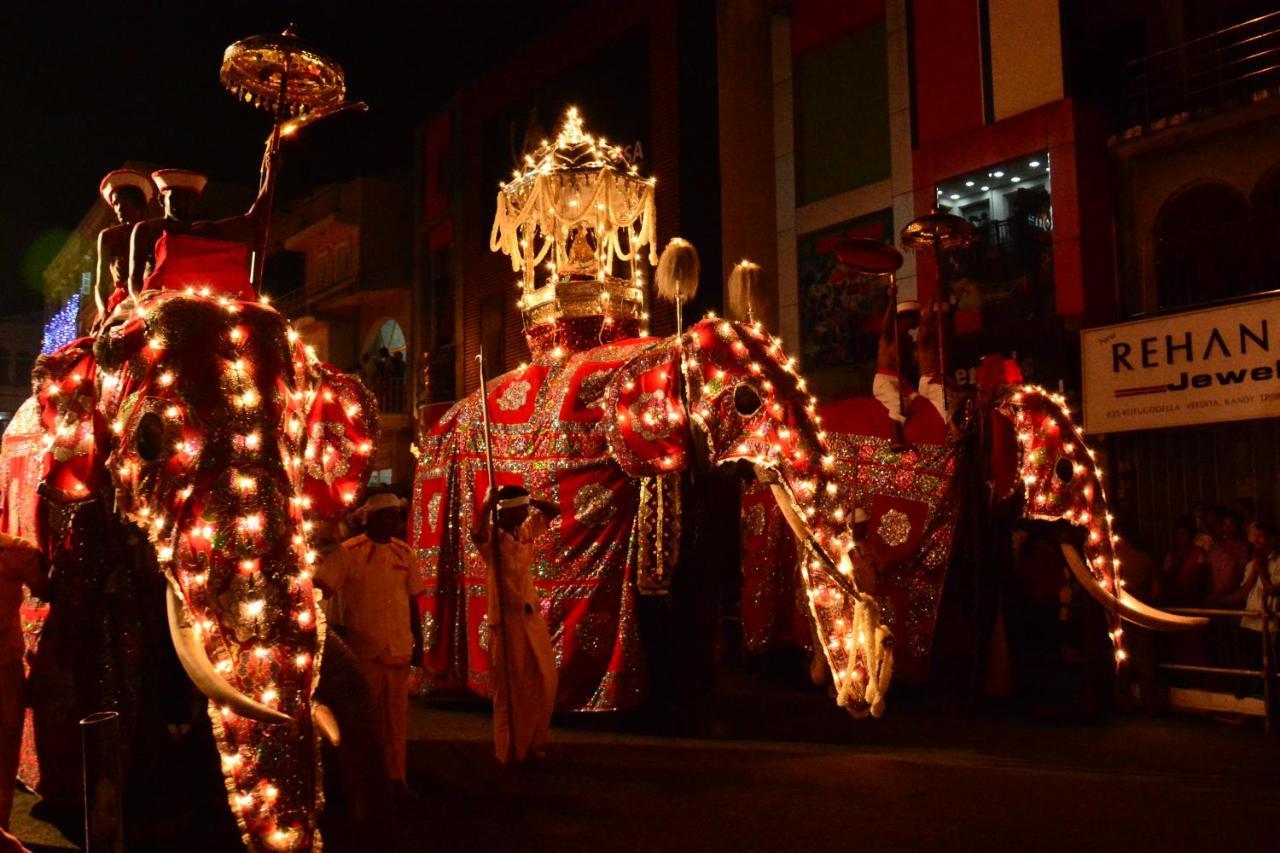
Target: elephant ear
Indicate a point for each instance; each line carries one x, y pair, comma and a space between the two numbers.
74, 432
338, 451
644, 419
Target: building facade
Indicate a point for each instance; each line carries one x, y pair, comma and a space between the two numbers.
642, 76
345, 273
1113, 163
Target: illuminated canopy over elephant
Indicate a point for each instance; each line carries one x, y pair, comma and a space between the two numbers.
203, 423
604, 420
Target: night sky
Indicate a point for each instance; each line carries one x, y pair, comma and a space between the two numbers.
89, 85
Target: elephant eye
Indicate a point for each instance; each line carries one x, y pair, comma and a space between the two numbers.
746, 400
1064, 470
150, 437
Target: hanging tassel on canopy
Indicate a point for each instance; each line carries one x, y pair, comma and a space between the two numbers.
743, 281
677, 276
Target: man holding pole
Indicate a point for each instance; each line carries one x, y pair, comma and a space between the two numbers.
520, 655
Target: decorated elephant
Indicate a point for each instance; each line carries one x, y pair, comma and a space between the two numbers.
188, 452
1009, 451
607, 432
608, 422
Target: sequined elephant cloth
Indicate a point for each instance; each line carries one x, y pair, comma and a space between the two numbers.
912, 506
548, 437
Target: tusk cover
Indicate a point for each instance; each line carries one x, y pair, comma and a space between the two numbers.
327, 723
199, 669
1132, 609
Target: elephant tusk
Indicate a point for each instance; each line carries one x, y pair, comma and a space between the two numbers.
327, 723
1132, 609
199, 669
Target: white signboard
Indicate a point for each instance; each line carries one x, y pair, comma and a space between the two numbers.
1219, 364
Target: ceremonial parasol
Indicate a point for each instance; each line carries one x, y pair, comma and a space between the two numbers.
867, 256
293, 81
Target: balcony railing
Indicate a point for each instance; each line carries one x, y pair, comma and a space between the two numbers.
392, 393
1232, 66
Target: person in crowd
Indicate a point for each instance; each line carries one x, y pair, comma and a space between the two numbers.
521, 659
1244, 507
1206, 519
397, 364
1227, 560
376, 575
1183, 578
1261, 586
382, 364
21, 564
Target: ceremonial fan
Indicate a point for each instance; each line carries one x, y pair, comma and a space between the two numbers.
293, 81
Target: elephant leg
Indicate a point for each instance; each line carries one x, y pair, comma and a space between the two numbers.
357, 791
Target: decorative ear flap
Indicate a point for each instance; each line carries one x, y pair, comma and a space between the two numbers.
338, 449
73, 454
644, 419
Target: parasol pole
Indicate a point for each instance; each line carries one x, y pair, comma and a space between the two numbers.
496, 549
267, 182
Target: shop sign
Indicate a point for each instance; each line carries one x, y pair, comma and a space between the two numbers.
1198, 367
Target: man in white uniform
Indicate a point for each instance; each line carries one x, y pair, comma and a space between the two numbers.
377, 577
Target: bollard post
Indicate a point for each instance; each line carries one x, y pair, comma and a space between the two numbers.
103, 815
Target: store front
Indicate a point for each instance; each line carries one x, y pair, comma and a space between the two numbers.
1190, 403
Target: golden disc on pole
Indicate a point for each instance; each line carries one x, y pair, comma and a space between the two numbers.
282, 74
938, 230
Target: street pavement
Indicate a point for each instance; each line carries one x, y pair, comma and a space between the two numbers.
790, 772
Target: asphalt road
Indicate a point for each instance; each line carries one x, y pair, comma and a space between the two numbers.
794, 773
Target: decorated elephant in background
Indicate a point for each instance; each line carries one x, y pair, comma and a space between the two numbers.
608, 432
1012, 452
188, 452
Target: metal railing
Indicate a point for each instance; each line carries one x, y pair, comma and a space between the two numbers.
1267, 673
1218, 70
391, 391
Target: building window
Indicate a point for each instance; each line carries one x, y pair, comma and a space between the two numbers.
842, 115
840, 310
1007, 277
1002, 288
1203, 245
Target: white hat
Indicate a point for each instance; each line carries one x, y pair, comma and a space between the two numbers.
908, 305
179, 179
125, 178
380, 501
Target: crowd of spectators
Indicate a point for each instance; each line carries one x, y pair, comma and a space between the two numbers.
1223, 558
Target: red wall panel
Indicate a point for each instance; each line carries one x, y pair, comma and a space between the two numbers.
948, 68
815, 23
